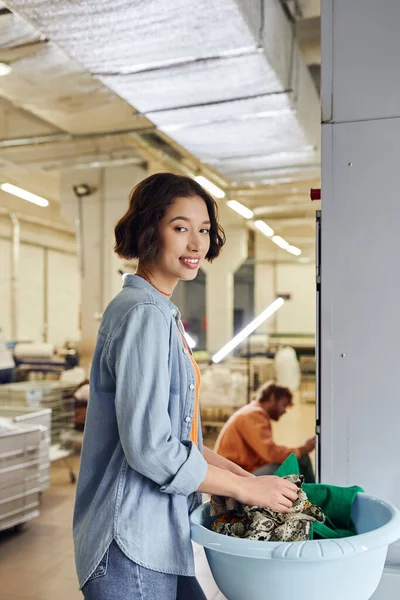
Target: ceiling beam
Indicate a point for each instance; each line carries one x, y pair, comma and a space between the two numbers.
277, 189
67, 137
292, 222
299, 241
279, 209
258, 205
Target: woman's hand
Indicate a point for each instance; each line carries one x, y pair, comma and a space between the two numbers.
270, 492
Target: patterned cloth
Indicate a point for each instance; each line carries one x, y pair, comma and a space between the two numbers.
263, 524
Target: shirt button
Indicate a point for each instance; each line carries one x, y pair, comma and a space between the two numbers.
191, 386
185, 351
188, 419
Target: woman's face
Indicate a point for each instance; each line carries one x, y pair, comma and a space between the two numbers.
184, 237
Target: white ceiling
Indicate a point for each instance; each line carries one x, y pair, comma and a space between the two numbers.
209, 76
190, 55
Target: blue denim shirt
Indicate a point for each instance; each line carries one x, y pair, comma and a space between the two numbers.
139, 472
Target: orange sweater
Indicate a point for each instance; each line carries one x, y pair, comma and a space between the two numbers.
246, 439
194, 431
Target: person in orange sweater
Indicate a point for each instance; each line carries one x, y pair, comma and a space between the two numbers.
246, 438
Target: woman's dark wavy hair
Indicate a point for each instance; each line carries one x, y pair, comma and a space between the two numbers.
137, 234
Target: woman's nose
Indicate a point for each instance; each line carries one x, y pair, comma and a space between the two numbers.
194, 244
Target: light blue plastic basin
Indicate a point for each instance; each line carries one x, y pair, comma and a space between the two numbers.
344, 569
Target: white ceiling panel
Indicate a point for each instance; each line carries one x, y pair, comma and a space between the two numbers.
14, 31
264, 161
217, 77
46, 82
253, 108
61, 155
242, 137
294, 173
56, 88
135, 34
200, 82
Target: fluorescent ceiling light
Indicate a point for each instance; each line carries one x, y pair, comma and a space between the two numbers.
4, 69
279, 241
242, 335
277, 180
190, 341
264, 228
210, 187
242, 210
17, 191
294, 250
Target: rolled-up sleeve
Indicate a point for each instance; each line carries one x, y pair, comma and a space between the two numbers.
138, 354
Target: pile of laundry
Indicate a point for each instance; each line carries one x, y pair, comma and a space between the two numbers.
320, 512
263, 524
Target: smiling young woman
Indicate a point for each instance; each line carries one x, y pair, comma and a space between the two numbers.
171, 226
143, 463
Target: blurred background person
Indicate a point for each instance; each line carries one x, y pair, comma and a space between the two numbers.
246, 438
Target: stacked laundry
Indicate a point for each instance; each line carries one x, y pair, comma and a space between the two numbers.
320, 511
263, 524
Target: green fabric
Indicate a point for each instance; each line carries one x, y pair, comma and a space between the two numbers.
335, 502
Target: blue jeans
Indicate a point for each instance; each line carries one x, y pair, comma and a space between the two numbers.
119, 578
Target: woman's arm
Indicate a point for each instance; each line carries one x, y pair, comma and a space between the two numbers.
137, 355
221, 462
270, 491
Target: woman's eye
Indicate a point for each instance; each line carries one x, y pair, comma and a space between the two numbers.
180, 229
204, 231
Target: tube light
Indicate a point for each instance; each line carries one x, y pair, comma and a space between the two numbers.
264, 228
279, 241
210, 187
17, 191
242, 335
294, 250
5, 69
242, 210
190, 341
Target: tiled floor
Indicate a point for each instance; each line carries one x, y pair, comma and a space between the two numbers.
36, 563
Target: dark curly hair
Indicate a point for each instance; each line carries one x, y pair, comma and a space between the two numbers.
270, 388
136, 233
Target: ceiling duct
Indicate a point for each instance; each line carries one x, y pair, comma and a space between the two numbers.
225, 79
156, 142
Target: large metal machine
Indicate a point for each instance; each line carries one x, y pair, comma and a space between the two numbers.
358, 407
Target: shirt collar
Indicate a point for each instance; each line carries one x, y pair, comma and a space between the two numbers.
135, 281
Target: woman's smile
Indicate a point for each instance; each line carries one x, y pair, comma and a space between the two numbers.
190, 262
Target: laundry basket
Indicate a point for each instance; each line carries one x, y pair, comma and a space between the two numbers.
340, 569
